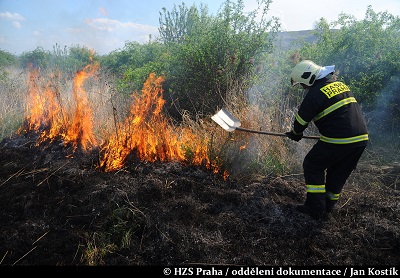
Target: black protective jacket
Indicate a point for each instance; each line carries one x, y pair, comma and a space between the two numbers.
335, 112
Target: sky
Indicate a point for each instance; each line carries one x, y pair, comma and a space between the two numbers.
106, 25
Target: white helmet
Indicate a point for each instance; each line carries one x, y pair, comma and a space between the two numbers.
305, 73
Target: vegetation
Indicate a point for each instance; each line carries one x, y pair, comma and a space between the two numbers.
366, 53
6, 60
213, 58
133, 64
231, 60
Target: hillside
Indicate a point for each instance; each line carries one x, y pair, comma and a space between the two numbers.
290, 40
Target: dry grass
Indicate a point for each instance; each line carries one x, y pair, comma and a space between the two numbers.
169, 214
12, 101
241, 154
63, 212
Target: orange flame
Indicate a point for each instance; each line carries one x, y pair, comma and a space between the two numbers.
54, 122
147, 132
36, 103
45, 113
42, 109
80, 132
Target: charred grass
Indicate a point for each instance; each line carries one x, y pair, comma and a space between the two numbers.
63, 211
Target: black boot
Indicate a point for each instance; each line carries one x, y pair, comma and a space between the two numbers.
314, 206
330, 204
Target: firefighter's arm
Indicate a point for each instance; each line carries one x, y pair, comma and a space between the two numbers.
300, 124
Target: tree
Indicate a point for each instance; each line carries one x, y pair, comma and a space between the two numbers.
212, 58
6, 60
38, 58
366, 52
133, 64
71, 59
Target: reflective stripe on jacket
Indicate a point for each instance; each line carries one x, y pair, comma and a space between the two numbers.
335, 112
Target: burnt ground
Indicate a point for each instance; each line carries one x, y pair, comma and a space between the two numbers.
62, 211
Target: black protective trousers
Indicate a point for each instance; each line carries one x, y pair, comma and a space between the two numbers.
329, 166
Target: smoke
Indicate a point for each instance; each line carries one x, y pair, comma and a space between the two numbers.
385, 119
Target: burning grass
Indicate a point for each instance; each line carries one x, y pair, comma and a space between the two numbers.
60, 208
146, 132
85, 113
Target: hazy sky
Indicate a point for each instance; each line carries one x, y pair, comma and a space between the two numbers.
105, 25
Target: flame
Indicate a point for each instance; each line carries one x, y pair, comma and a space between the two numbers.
148, 133
80, 132
42, 109
36, 103
52, 118
45, 113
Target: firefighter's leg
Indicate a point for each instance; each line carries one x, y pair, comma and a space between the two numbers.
345, 161
314, 165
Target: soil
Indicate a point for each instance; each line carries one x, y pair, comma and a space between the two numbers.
61, 210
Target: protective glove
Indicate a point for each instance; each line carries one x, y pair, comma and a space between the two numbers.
294, 137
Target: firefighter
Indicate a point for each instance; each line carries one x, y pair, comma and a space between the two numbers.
335, 112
